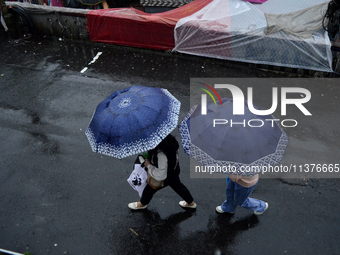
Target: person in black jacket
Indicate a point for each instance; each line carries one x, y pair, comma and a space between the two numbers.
162, 165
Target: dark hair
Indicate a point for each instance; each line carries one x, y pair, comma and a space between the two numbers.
168, 145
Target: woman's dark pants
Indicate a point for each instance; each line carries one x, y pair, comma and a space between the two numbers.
175, 183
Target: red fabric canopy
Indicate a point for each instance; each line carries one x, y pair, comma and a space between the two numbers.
131, 27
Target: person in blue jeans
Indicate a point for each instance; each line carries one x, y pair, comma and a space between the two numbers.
237, 193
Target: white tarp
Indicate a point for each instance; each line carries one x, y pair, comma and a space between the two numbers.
235, 30
301, 23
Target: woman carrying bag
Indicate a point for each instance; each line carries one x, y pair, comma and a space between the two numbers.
163, 170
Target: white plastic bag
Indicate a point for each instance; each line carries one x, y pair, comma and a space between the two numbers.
137, 179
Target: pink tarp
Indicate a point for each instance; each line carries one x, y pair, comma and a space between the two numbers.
131, 27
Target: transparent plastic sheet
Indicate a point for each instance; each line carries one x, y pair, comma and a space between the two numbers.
234, 30
43, 9
286, 6
302, 23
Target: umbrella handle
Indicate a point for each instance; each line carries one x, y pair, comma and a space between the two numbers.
141, 159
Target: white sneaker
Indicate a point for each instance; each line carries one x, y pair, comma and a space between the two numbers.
259, 213
185, 205
219, 210
134, 206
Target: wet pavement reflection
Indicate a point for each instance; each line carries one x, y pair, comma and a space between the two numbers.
154, 235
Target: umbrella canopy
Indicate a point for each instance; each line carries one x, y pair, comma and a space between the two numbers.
240, 141
132, 120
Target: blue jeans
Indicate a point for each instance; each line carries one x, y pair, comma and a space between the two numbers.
239, 195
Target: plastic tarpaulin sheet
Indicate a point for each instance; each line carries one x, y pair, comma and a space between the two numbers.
131, 27
301, 23
235, 30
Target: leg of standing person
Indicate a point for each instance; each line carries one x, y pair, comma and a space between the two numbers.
239, 195
242, 199
147, 195
229, 205
176, 184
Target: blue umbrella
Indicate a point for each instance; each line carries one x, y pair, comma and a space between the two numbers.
239, 143
132, 120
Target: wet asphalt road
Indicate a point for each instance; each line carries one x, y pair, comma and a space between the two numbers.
58, 197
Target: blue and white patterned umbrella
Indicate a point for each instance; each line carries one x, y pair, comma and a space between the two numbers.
243, 143
132, 120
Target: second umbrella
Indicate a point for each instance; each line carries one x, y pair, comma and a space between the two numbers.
241, 143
